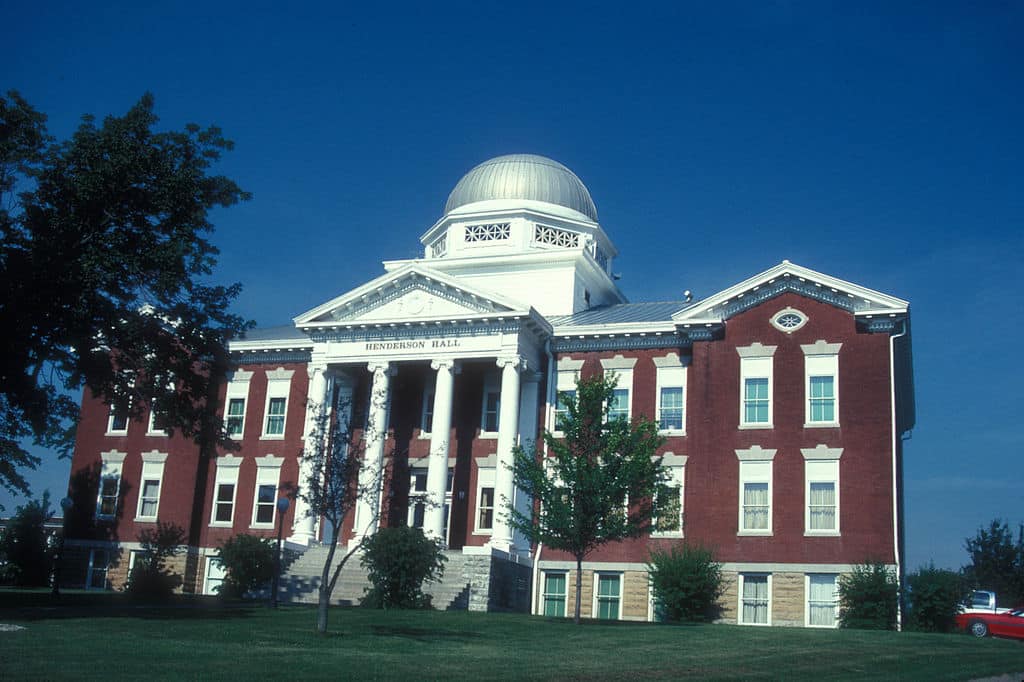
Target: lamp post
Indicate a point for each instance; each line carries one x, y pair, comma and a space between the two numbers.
282, 507
65, 505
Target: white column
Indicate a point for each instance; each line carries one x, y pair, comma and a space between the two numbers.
303, 523
440, 435
508, 427
528, 404
371, 474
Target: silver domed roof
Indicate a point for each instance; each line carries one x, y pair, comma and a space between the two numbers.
523, 176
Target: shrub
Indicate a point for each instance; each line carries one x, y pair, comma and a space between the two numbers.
399, 561
26, 547
687, 583
935, 596
249, 562
150, 578
869, 597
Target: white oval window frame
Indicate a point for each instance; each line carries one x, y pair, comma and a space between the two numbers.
788, 311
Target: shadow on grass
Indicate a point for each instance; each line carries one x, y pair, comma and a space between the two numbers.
424, 634
37, 605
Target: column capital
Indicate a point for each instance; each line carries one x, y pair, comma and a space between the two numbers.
517, 362
313, 368
449, 363
381, 366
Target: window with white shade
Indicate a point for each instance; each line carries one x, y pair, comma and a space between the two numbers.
278, 386
224, 489
821, 383
150, 485
821, 490
668, 503
485, 499
755, 493
108, 495
755, 598
822, 600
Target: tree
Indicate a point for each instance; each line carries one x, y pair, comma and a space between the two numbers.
150, 577
997, 562
687, 582
26, 544
104, 260
398, 561
598, 482
249, 562
869, 597
935, 598
334, 480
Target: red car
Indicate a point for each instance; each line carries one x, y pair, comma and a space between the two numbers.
1005, 624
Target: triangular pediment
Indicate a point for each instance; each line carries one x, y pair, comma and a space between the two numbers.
784, 277
412, 292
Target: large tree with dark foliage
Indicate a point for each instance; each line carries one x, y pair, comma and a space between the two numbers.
597, 483
104, 265
997, 562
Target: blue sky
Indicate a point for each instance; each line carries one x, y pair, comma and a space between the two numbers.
879, 144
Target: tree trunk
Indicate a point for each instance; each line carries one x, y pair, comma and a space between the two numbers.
579, 588
324, 593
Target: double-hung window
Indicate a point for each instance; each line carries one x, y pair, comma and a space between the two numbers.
821, 600
427, 413
608, 596
152, 481
821, 490
108, 495
268, 476
485, 506
278, 387
554, 594
565, 390
755, 494
237, 396
755, 598
756, 386
99, 562
821, 383
491, 408
622, 369
417, 497
117, 423
668, 503
224, 488
671, 387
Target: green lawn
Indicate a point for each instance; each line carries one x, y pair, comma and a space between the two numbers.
89, 636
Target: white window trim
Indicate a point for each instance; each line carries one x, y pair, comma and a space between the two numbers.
485, 478
153, 460
567, 375
668, 363
492, 384
106, 569
676, 464
544, 593
807, 602
238, 388
210, 560
756, 453
151, 429
788, 311
429, 392
623, 368
820, 453
756, 351
739, 584
820, 350
111, 431
227, 472
597, 576
279, 382
111, 467
268, 472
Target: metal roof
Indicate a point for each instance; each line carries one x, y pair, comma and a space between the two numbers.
522, 176
620, 313
286, 332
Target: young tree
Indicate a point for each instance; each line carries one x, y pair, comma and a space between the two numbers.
104, 260
26, 545
150, 577
997, 562
935, 596
399, 560
687, 582
598, 482
249, 562
869, 597
331, 486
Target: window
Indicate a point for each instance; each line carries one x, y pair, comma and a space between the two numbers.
788, 320
236, 417
117, 424
110, 484
668, 504
158, 422
821, 370
236, 396
554, 594
485, 509
821, 473
268, 474
565, 390
671, 393
278, 386
756, 385
755, 494
608, 596
96, 576
149, 489
490, 421
755, 599
215, 574
224, 490
417, 498
427, 413
821, 600
622, 368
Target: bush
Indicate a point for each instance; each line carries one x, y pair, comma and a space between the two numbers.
935, 595
868, 598
687, 583
150, 579
399, 561
28, 557
249, 562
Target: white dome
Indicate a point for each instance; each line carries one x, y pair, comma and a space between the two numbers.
525, 177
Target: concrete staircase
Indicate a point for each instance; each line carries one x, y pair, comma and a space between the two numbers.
300, 580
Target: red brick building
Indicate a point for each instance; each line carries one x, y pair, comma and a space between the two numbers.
783, 400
